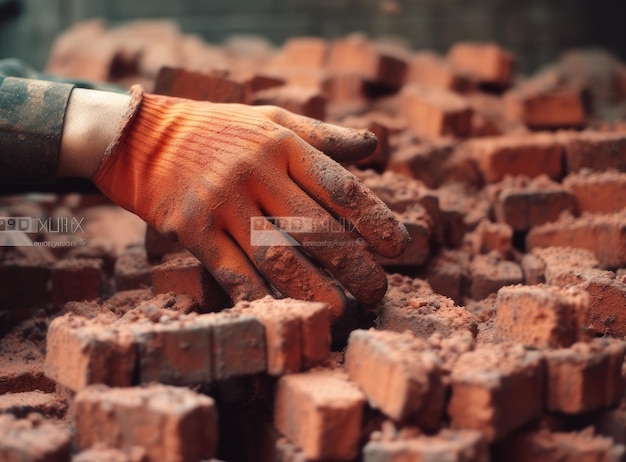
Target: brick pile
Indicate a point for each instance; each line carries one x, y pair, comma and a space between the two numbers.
501, 336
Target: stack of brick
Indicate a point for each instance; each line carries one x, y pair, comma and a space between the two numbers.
485, 345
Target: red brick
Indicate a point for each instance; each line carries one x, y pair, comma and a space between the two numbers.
320, 411
530, 155
543, 445
81, 352
412, 390
597, 151
602, 234
585, 377
428, 161
400, 192
420, 227
149, 44
484, 62
597, 192
305, 101
490, 237
607, 303
132, 269
83, 51
301, 53
496, 389
428, 69
424, 315
134, 454
216, 87
34, 440
186, 275
523, 203
297, 333
448, 273
238, 345
169, 423
355, 54
21, 404
17, 280
544, 103
158, 245
490, 272
534, 269
449, 445
541, 316
346, 93
173, 351
562, 266
433, 112
461, 211
76, 279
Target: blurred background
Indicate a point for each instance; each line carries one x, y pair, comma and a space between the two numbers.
537, 31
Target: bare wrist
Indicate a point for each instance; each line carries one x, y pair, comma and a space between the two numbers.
92, 120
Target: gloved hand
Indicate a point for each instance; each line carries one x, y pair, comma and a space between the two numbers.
207, 174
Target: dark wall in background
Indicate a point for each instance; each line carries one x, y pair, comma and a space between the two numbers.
536, 30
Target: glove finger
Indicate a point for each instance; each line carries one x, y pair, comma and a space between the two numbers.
231, 268
340, 143
344, 195
328, 242
276, 257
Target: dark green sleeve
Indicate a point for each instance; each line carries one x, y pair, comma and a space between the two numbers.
31, 123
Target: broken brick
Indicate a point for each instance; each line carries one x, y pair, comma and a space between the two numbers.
594, 150
602, 234
543, 445
452, 445
562, 266
496, 389
523, 203
434, 113
81, 352
320, 412
424, 315
448, 273
132, 270
490, 272
607, 303
169, 423
186, 275
530, 155
585, 377
158, 245
490, 237
541, 316
297, 333
33, 439
182, 83
428, 69
412, 389
75, 279
17, 280
597, 192
24, 403
486, 63
546, 105
355, 54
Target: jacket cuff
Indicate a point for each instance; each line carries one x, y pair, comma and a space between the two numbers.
31, 124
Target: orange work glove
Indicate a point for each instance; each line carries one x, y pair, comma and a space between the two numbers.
208, 175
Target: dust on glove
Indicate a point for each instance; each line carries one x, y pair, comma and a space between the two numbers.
254, 195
